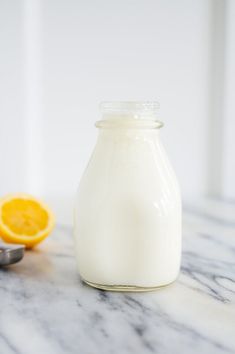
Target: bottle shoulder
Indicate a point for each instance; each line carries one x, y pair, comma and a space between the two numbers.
137, 169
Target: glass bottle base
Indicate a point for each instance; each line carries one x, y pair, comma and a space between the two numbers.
125, 288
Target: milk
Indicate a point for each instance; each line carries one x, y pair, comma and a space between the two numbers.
128, 209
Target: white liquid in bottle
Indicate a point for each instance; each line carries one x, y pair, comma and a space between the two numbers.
128, 210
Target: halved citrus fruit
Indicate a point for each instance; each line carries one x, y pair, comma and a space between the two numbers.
24, 219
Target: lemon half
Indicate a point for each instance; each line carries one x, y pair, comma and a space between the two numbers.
24, 219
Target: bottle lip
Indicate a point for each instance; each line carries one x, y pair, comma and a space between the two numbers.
134, 109
129, 123
129, 114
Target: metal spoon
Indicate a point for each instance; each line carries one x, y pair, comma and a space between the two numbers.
10, 253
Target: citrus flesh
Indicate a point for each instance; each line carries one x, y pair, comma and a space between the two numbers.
24, 219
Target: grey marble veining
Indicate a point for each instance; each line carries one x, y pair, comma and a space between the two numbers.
45, 308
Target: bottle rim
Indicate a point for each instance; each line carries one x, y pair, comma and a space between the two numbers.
135, 114
142, 108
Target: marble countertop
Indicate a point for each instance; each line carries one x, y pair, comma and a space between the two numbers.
45, 308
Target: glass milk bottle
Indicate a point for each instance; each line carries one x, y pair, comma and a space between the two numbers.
128, 208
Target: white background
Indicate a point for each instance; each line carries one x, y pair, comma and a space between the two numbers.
59, 59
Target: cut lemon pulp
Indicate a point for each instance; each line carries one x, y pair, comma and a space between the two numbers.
24, 219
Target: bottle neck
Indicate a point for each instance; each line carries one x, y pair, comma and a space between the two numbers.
128, 121
127, 133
